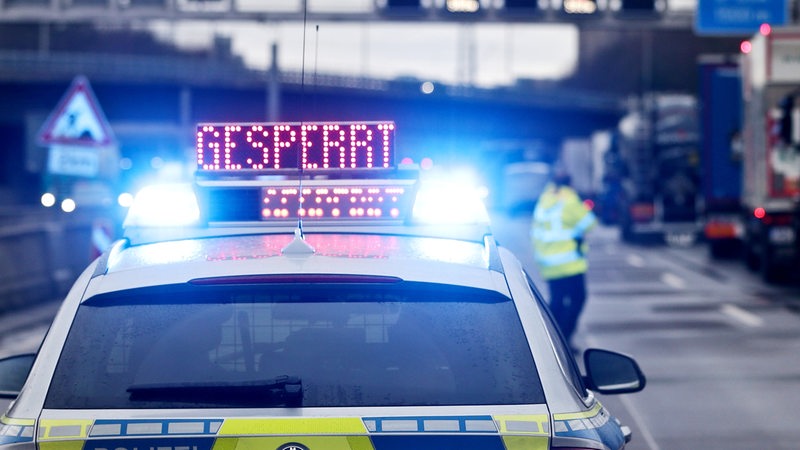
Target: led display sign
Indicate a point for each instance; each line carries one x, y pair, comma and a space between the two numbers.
295, 146
336, 202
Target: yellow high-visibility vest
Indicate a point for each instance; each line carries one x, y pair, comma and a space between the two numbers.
560, 220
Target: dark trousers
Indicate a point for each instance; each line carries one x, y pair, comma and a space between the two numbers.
567, 297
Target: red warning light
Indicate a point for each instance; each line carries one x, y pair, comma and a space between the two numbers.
765, 29
746, 47
760, 213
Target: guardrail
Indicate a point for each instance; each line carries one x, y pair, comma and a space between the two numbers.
41, 257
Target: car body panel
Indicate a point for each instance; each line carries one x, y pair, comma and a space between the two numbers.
220, 429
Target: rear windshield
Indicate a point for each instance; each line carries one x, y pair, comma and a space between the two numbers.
295, 345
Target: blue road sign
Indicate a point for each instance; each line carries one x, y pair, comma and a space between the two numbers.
731, 17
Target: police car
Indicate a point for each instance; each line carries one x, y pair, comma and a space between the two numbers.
307, 293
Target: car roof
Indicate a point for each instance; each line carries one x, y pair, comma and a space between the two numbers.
408, 258
363, 215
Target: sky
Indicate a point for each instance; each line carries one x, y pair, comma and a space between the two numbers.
484, 55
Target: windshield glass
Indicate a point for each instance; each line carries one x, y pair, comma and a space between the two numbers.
295, 345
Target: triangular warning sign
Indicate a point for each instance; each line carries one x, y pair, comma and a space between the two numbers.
77, 120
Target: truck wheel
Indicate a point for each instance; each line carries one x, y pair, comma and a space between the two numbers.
751, 260
716, 250
627, 234
771, 272
723, 249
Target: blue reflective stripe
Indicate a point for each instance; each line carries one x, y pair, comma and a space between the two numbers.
422, 424
395, 442
584, 224
553, 235
170, 443
15, 439
555, 230
558, 259
154, 427
551, 213
597, 428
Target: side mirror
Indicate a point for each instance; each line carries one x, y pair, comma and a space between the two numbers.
13, 373
609, 372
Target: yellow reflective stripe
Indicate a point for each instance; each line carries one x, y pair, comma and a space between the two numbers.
526, 442
585, 223
64, 429
321, 442
21, 422
580, 415
293, 426
360, 443
564, 270
558, 259
545, 249
532, 424
63, 434
546, 236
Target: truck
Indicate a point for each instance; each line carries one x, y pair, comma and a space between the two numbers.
770, 67
720, 101
654, 169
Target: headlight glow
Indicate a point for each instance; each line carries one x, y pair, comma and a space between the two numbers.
68, 205
48, 200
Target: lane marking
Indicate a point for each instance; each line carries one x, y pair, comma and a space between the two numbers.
745, 317
635, 260
673, 280
633, 412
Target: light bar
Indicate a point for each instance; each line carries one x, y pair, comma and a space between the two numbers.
295, 146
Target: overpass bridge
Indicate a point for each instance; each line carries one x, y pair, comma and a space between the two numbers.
648, 13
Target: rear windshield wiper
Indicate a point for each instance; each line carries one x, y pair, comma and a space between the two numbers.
280, 391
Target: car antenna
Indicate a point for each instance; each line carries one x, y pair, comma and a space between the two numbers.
298, 245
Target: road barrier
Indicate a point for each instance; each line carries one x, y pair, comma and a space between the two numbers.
41, 258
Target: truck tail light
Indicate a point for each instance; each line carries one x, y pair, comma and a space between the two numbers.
772, 219
721, 230
642, 212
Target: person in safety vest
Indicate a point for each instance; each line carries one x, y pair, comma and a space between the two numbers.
559, 225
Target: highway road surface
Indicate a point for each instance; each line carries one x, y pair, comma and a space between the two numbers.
721, 350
